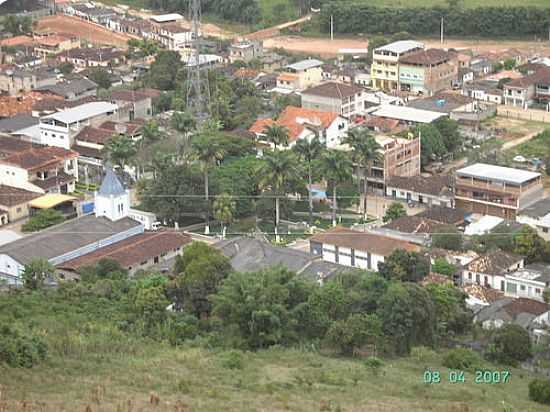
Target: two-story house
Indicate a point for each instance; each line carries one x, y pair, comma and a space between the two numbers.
93, 57
529, 282
41, 169
300, 75
302, 123
52, 45
59, 129
526, 90
246, 50
15, 81
490, 270
427, 71
496, 190
349, 100
385, 63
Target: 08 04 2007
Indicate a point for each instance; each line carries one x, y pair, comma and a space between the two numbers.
459, 376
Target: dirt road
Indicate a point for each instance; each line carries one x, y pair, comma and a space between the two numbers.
327, 48
91, 32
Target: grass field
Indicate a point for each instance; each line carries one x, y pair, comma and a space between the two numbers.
271, 380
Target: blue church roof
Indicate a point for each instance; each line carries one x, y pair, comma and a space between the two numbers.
111, 185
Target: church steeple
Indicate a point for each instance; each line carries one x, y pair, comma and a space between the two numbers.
112, 200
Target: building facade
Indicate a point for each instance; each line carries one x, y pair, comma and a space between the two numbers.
495, 190
385, 63
427, 71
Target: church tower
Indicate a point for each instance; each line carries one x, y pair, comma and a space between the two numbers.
112, 200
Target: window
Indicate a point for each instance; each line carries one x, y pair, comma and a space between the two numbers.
537, 291
18, 210
470, 275
511, 287
522, 288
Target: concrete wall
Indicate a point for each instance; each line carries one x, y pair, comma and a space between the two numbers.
529, 114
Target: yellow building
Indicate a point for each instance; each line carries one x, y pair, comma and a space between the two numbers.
385, 63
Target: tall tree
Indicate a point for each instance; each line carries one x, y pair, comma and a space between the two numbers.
208, 152
337, 168
224, 210
36, 272
120, 150
308, 151
278, 172
277, 135
366, 152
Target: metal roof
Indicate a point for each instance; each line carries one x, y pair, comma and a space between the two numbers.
163, 18
498, 173
111, 185
408, 114
401, 46
50, 200
83, 112
305, 64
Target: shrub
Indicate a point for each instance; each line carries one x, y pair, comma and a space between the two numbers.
462, 359
232, 360
43, 219
374, 364
509, 345
539, 391
19, 350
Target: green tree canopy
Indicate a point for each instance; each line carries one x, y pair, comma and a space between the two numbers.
43, 219
394, 211
36, 273
405, 266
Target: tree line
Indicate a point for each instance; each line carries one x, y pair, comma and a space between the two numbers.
361, 17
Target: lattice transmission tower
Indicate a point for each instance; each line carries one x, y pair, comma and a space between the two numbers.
198, 90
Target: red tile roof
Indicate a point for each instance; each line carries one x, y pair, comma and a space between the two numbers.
94, 135
132, 251
523, 305
37, 158
363, 241
426, 57
11, 196
293, 118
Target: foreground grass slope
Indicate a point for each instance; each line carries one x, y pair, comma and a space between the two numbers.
275, 379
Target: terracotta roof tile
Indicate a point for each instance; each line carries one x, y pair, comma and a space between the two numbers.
363, 241
132, 251
426, 57
523, 305
36, 158
11, 196
334, 90
493, 263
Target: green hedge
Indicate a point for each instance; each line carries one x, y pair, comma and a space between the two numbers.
354, 17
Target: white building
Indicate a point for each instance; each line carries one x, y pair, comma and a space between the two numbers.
346, 100
538, 217
59, 129
303, 123
491, 269
352, 248
529, 282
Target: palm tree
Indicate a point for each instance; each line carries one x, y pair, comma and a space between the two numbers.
277, 173
150, 132
366, 152
224, 210
208, 152
337, 168
120, 149
308, 151
277, 135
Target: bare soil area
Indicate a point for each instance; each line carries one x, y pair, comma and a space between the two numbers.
85, 30
327, 48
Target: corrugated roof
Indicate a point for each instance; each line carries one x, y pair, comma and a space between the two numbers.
305, 64
401, 46
50, 200
83, 112
498, 173
408, 114
334, 90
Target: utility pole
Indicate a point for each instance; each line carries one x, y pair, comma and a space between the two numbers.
198, 92
331, 27
441, 30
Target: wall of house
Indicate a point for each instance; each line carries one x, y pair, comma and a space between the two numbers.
309, 77
413, 77
18, 212
324, 104
336, 132
423, 198
17, 177
495, 282
10, 270
542, 226
346, 256
113, 207
523, 288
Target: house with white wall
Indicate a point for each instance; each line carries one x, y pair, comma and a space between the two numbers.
59, 129
301, 75
363, 250
491, 269
538, 217
528, 282
303, 123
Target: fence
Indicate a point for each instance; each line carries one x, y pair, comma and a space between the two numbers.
521, 114
474, 117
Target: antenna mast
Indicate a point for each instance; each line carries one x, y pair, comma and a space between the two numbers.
198, 91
